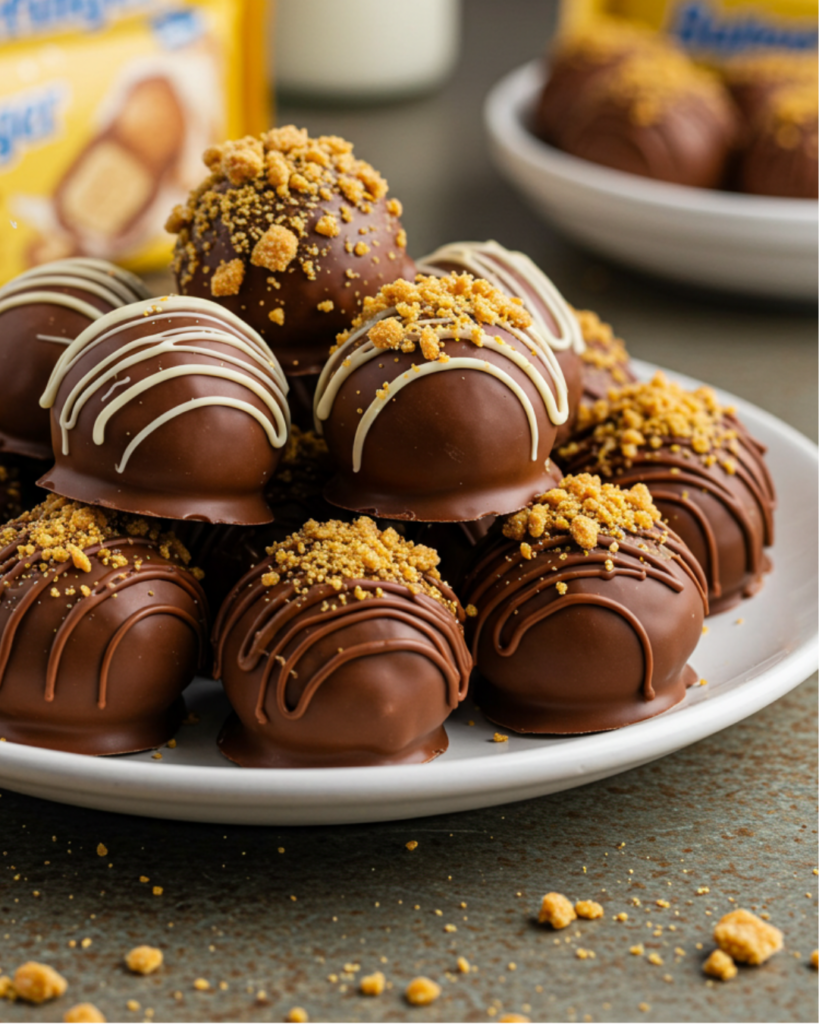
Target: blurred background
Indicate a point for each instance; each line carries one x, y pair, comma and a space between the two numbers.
105, 111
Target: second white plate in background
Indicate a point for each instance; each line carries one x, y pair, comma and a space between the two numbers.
756, 245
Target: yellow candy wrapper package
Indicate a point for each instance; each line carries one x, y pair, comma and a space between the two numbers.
712, 30
105, 109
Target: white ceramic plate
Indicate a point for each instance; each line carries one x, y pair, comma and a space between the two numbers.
750, 244
747, 667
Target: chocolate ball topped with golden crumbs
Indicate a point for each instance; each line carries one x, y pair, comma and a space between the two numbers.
606, 363
441, 403
781, 154
518, 276
41, 312
102, 626
657, 115
342, 647
579, 56
706, 475
171, 407
584, 609
289, 233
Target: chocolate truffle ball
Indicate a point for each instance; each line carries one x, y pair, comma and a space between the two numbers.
225, 553
343, 647
781, 154
606, 363
289, 233
584, 611
171, 407
517, 276
102, 628
41, 312
581, 55
441, 404
656, 115
705, 473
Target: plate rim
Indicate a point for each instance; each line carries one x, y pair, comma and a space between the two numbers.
601, 754
503, 119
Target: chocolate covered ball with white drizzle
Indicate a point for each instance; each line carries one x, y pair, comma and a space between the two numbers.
41, 312
440, 404
172, 407
514, 273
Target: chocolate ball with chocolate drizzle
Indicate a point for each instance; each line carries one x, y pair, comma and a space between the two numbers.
101, 628
41, 312
584, 611
343, 647
706, 475
172, 407
517, 276
606, 363
657, 115
289, 233
440, 404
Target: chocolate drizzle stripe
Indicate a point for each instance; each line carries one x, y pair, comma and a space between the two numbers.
488, 260
107, 281
696, 513
106, 587
130, 622
51, 299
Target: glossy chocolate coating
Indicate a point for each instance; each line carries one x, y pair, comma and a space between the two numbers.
689, 145
518, 276
317, 683
198, 443
451, 447
611, 651
103, 673
605, 362
41, 312
302, 343
724, 518
769, 168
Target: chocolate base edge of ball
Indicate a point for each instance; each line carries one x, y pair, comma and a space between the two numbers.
572, 637
151, 405
363, 672
96, 651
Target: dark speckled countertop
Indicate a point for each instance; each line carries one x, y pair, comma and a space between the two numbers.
299, 914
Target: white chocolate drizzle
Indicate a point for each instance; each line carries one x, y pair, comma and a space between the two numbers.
505, 269
97, 278
348, 358
252, 365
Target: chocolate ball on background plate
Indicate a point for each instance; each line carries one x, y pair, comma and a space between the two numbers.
41, 312
102, 628
441, 404
342, 647
171, 407
656, 115
706, 475
584, 609
289, 233
518, 276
